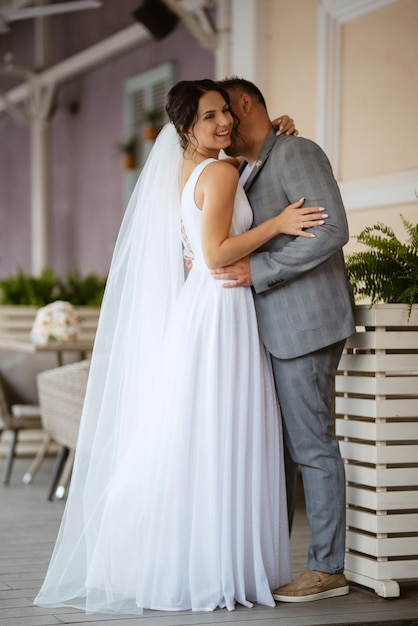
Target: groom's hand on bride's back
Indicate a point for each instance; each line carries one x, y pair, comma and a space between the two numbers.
238, 274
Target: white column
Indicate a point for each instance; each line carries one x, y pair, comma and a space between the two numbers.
39, 199
329, 89
40, 99
223, 48
249, 41
40, 103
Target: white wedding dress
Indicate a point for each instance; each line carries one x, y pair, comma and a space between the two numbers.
194, 515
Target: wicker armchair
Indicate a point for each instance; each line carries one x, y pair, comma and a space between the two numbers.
19, 417
61, 397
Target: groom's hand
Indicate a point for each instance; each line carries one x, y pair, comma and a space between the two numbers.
239, 273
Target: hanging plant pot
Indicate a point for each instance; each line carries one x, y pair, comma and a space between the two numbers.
129, 152
151, 132
130, 162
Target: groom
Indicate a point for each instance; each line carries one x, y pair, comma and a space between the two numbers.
305, 312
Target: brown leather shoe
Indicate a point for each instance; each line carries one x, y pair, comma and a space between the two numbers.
308, 587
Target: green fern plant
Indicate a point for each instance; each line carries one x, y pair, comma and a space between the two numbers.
29, 290
82, 290
388, 270
40, 290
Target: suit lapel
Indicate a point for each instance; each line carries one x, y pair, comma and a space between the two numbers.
262, 158
242, 166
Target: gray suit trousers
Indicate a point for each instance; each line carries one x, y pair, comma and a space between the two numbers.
305, 388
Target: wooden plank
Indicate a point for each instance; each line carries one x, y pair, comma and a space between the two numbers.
388, 547
387, 340
385, 315
384, 363
375, 385
382, 524
377, 407
377, 431
379, 455
385, 569
382, 500
382, 477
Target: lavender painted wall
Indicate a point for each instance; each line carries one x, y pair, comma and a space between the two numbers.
86, 191
14, 195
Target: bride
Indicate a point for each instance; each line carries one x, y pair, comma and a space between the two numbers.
177, 499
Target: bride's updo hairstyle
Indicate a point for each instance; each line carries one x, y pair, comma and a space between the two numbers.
183, 102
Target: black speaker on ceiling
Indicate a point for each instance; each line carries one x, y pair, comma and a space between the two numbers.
156, 16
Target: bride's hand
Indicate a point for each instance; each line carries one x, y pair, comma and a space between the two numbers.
285, 125
295, 218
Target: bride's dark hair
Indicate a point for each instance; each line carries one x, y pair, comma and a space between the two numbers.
183, 101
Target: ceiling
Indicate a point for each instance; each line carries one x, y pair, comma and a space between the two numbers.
31, 36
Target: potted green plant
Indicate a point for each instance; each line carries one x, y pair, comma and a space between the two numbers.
23, 289
81, 290
376, 409
387, 271
153, 120
129, 149
21, 295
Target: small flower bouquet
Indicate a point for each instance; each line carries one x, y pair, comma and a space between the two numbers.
55, 322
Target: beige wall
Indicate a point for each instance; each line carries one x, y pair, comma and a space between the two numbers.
293, 66
379, 94
380, 86
389, 215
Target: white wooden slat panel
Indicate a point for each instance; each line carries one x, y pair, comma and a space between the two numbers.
382, 477
382, 500
399, 546
356, 429
390, 340
380, 570
385, 315
379, 363
16, 321
377, 385
380, 524
379, 455
377, 407
377, 431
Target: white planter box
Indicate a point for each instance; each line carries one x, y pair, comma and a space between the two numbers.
377, 424
16, 321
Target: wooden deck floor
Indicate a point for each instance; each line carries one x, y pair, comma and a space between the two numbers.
28, 526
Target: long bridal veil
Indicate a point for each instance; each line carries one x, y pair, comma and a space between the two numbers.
145, 277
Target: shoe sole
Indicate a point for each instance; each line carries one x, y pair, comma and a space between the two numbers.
331, 593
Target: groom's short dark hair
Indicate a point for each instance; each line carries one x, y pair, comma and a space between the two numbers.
240, 84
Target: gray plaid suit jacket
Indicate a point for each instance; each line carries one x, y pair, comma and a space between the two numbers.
303, 298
